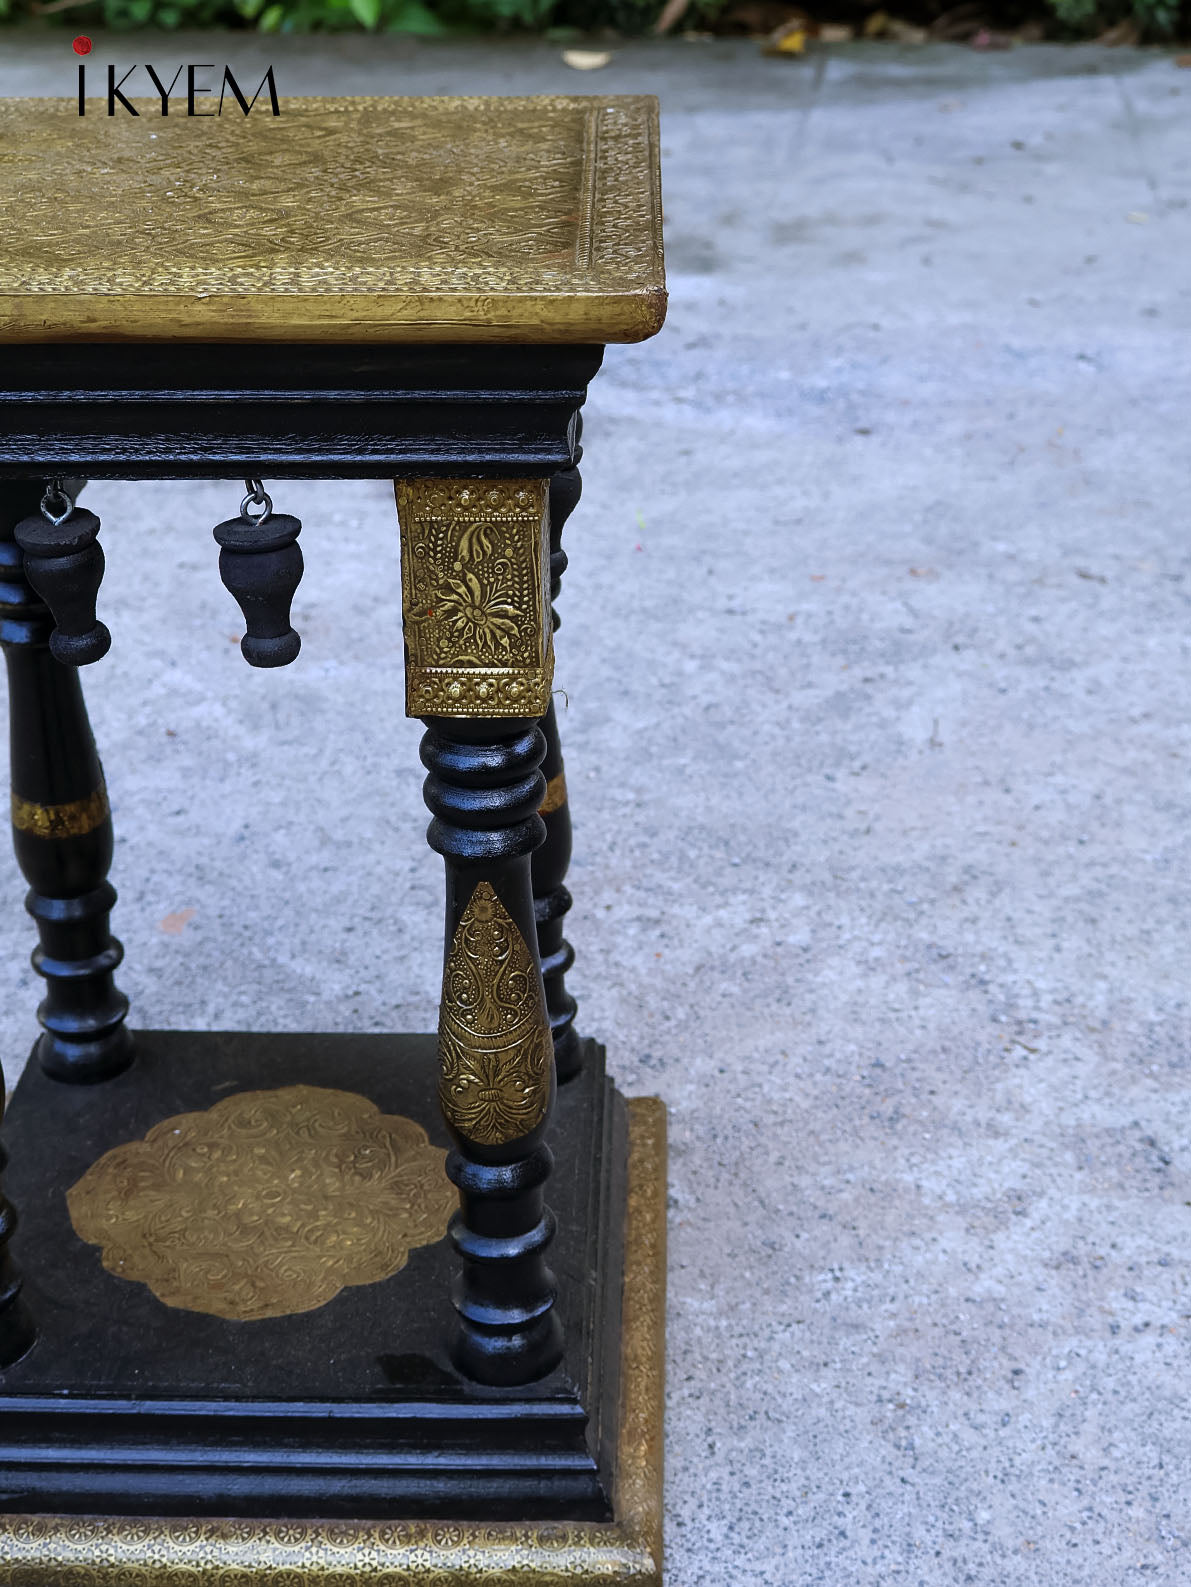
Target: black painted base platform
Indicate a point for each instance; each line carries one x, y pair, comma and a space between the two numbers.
128, 1406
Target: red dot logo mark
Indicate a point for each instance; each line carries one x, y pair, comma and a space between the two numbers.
82, 45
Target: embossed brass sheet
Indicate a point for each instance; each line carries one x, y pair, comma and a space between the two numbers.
341, 220
475, 581
266, 1204
494, 1043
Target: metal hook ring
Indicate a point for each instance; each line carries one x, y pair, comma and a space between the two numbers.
56, 488
257, 496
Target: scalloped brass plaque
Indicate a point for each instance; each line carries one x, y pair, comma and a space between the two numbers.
266, 1205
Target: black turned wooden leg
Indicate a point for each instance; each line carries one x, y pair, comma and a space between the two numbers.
479, 663
496, 1076
62, 826
551, 899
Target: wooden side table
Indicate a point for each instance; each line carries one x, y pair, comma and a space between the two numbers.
236, 1343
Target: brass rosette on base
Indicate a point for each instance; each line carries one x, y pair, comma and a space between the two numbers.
267, 1204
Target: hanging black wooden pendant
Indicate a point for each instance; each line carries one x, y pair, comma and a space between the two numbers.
260, 562
64, 564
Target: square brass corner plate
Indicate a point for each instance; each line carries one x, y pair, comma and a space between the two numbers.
94, 1551
530, 220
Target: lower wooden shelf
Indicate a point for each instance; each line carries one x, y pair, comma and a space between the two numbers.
145, 1443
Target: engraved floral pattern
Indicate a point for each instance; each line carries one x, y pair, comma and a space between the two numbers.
494, 1045
479, 613
267, 1204
475, 597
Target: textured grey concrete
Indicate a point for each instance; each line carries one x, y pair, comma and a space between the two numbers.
875, 643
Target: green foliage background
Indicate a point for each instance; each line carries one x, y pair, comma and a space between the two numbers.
428, 17
1156, 20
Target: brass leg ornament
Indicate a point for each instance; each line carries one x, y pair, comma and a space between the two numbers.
479, 664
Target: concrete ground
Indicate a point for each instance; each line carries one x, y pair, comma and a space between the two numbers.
876, 643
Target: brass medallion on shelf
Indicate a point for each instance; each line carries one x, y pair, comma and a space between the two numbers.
73, 820
475, 585
119, 1551
495, 1049
267, 1204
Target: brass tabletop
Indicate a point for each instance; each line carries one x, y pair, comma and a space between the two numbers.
341, 220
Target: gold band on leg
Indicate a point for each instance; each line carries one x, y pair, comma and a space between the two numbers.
556, 795
73, 820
